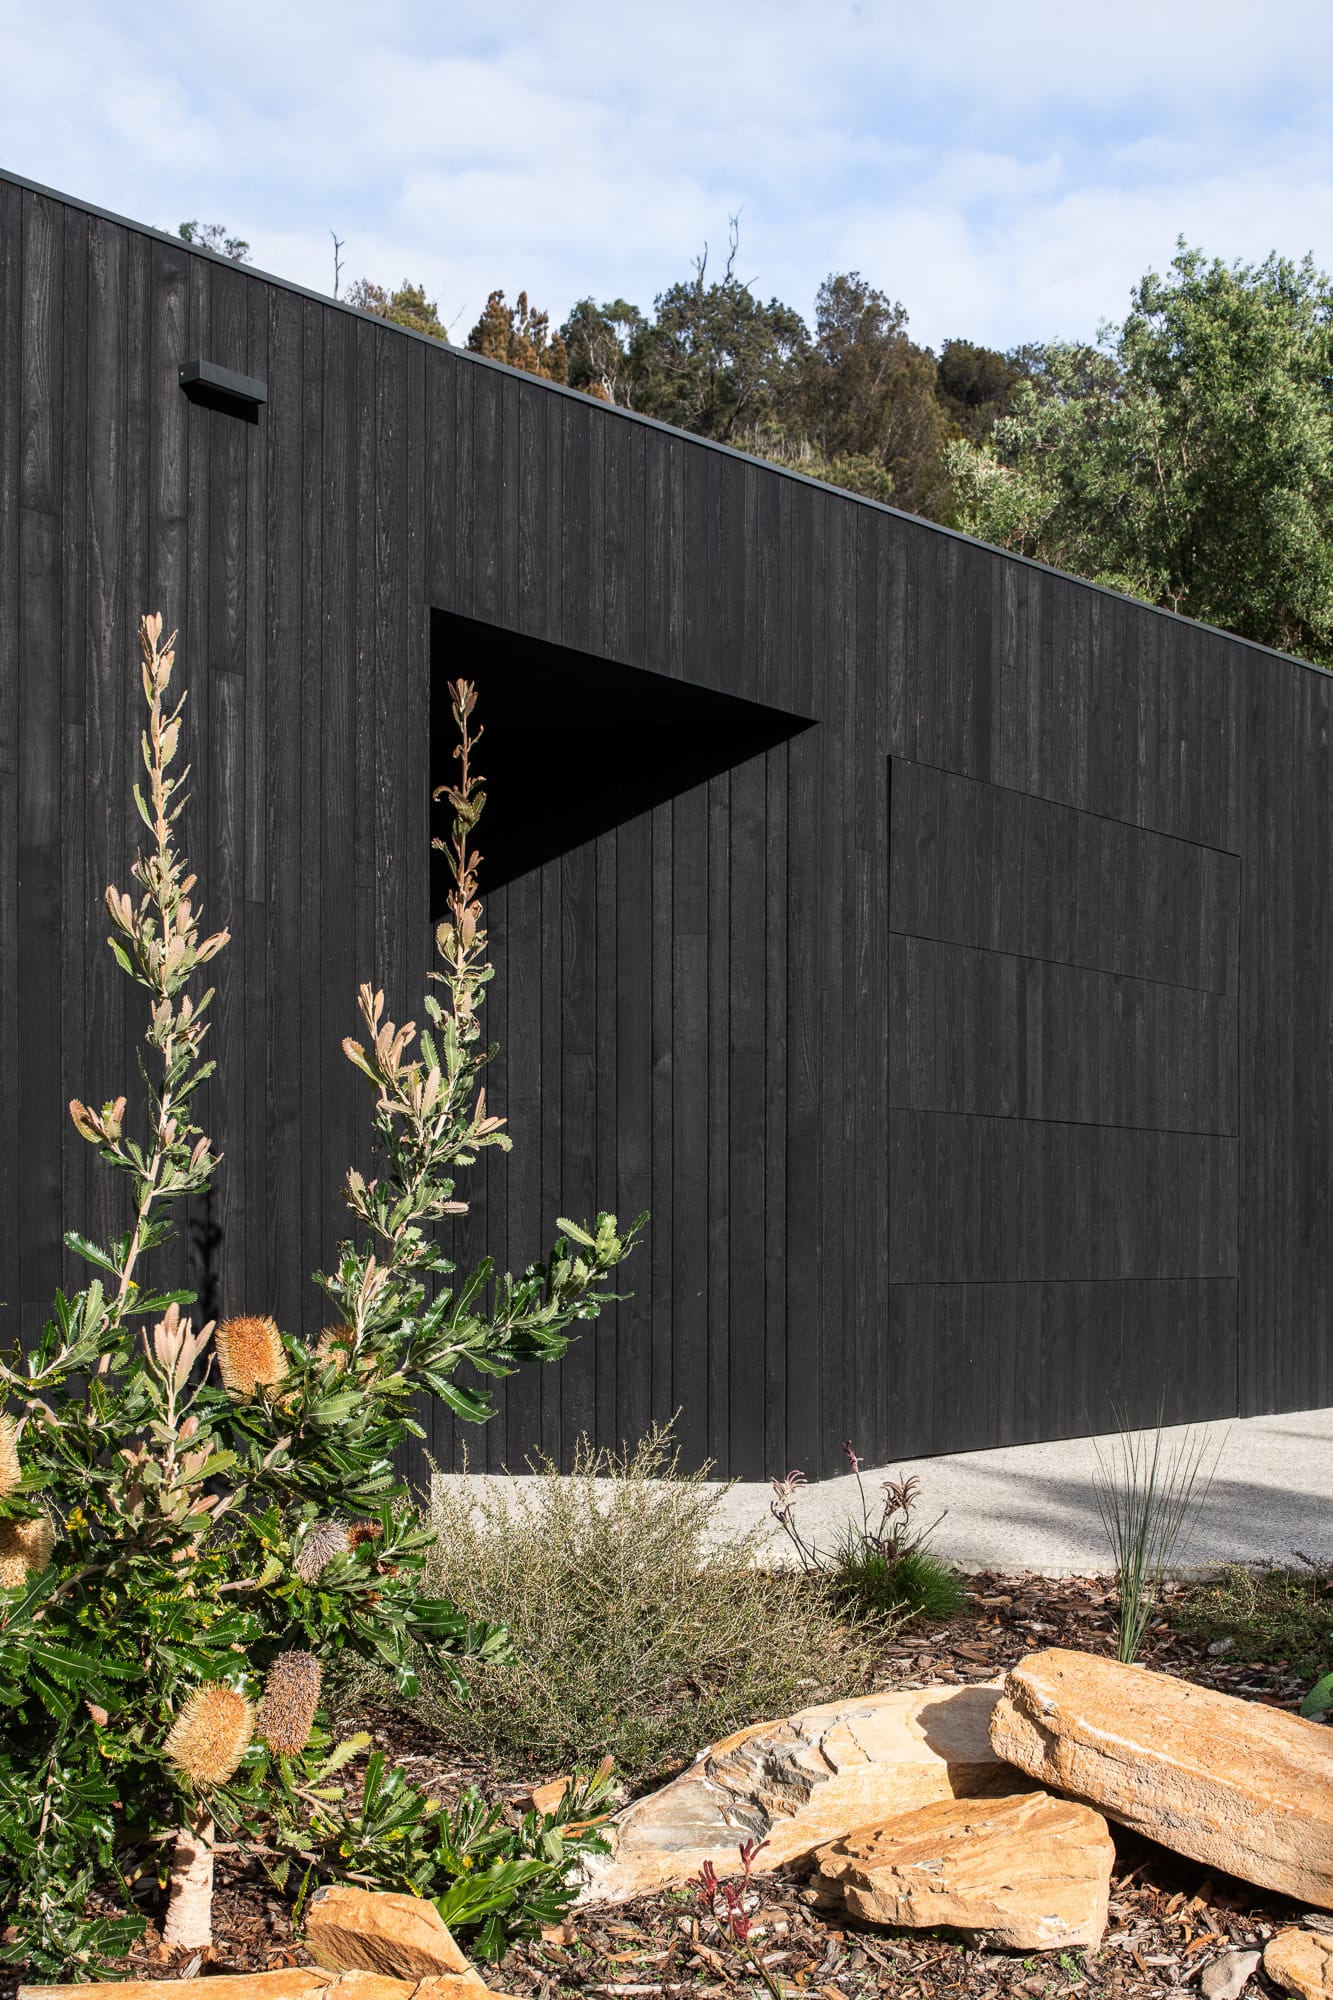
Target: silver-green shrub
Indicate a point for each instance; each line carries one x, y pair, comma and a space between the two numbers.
640, 1628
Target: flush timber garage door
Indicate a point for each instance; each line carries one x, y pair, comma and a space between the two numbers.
1063, 1116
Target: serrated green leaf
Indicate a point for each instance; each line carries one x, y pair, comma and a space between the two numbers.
575, 1230
91, 1252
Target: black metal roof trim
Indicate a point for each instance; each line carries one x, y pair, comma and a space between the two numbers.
637, 417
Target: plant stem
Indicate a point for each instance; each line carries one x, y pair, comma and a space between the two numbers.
189, 1919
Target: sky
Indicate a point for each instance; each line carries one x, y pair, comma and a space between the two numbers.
1006, 172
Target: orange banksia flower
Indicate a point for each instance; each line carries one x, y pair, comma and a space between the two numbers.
324, 1541
250, 1353
291, 1696
211, 1734
11, 1472
363, 1531
25, 1546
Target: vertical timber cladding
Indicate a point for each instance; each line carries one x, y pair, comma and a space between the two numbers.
1105, 1098
1063, 1125
591, 767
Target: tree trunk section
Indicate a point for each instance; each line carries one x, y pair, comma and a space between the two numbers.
190, 1909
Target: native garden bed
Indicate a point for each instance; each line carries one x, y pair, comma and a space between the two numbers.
1170, 1918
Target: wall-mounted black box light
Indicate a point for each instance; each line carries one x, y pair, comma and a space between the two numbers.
224, 389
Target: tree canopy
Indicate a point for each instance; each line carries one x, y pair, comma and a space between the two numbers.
216, 236
867, 395
522, 336
715, 358
408, 306
1187, 457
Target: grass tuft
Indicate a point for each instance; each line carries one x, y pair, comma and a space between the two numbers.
915, 1584
1149, 1494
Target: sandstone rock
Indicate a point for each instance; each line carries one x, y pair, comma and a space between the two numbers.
1228, 1976
800, 1783
1031, 1871
358, 1984
297, 1983
444, 1986
1242, 1787
377, 1931
545, 1798
1301, 1962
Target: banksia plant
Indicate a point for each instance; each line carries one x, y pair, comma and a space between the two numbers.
11, 1472
184, 1506
25, 1546
322, 1542
430, 1119
211, 1734
250, 1354
291, 1697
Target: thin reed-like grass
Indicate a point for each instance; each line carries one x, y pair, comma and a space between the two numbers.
1149, 1496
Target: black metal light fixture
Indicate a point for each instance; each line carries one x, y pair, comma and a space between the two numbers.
223, 388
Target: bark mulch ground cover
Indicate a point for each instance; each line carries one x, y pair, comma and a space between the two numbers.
1170, 1918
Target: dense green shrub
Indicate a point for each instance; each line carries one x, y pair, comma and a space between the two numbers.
639, 1628
490, 1880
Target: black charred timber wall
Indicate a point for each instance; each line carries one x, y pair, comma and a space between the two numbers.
938, 946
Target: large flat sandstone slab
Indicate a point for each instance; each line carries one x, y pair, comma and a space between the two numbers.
296, 1983
1030, 1871
800, 1782
1243, 1787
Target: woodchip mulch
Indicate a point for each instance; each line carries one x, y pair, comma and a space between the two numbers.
1170, 1918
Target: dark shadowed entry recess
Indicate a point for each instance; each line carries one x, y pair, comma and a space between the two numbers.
577, 746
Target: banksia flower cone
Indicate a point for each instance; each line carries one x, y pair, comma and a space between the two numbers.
10, 1470
25, 1546
250, 1352
291, 1696
211, 1734
325, 1540
335, 1344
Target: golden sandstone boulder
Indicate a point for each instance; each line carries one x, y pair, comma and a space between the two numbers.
545, 1798
376, 1930
1240, 1786
801, 1782
1030, 1871
1301, 1962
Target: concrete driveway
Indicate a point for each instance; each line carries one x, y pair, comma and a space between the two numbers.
1032, 1507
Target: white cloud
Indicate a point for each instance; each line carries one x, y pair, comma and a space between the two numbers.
1006, 175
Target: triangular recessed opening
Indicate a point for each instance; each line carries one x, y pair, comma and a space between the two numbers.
576, 745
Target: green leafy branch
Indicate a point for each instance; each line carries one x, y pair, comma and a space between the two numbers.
160, 946
431, 1119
